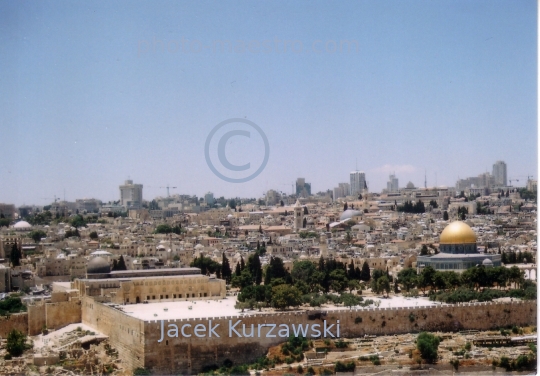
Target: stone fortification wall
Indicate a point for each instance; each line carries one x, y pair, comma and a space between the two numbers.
126, 334
61, 314
190, 355
53, 315
17, 321
36, 318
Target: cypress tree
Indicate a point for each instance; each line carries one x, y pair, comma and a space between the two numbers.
15, 255
365, 273
121, 263
350, 272
225, 268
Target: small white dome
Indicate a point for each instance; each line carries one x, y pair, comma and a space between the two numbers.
349, 214
22, 226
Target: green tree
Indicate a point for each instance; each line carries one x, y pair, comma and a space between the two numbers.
439, 281
338, 280
276, 269
424, 251
345, 367
255, 268
284, 296
408, 278
353, 284
232, 204
445, 216
78, 221
306, 271
226, 272
15, 256
462, 212
348, 238
426, 278
70, 234
163, 229
121, 263
16, 343
93, 235
206, 264
365, 273
428, 345
383, 285
451, 279
244, 279
36, 235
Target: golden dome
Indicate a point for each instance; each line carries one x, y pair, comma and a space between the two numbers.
457, 233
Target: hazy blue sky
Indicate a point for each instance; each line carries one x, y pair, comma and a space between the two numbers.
94, 92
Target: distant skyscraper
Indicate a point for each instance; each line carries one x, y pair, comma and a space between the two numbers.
392, 185
358, 182
272, 197
303, 189
209, 198
342, 190
499, 173
131, 195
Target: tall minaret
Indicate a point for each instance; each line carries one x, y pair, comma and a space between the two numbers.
298, 215
323, 246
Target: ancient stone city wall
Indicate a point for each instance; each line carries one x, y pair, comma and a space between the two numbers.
61, 314
190, 355
53, 315
17, 321
126, 333
37, 318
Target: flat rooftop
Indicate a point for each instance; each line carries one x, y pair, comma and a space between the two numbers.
182, 310
225, 307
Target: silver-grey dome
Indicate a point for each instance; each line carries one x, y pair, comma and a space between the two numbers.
98, 265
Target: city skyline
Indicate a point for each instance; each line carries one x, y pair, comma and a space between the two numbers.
129, 187
93, 94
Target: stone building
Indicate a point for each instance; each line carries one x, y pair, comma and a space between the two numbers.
6, 244
458, 251
5, 278
150, 285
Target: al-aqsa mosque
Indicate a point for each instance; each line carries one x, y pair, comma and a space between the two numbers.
458, 251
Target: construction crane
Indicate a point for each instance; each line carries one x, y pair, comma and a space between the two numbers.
292, 188
50, 198
520, 176
167, 187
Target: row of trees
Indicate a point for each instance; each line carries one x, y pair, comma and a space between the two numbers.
517, 257
168, 229
4, 222
473, 278
409, 207
303, 284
